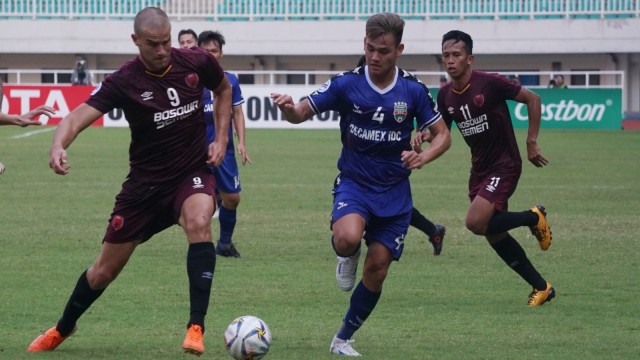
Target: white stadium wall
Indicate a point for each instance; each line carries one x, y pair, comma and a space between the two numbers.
504, 45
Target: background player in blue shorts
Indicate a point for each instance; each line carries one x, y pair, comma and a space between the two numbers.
227, 176
476, 101
372, 194
169, 181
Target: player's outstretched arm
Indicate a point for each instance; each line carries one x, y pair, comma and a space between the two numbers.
534, 112
28, 118
72, 124
293, 113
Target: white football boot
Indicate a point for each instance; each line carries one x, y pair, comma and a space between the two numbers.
342, 347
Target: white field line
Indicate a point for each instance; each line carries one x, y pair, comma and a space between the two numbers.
35, 132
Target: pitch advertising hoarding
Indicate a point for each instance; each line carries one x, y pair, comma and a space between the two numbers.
561, 108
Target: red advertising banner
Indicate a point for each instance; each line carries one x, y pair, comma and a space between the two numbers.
19, 99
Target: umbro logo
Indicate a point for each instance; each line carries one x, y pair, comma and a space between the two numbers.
450, 110
147, 95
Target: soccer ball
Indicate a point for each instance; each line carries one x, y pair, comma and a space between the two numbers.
247, 338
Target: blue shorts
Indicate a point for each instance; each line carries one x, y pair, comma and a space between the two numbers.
227, 175
387, 214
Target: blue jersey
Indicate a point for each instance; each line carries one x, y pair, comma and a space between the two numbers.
207, 100
376, 124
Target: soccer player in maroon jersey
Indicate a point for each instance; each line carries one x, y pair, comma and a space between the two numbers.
476, 101
169, 183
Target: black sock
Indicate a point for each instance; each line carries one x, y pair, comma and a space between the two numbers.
513, 254
502, 221
81, 298
201, 263
420, 222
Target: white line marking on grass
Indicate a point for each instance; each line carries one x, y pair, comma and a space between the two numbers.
31, 133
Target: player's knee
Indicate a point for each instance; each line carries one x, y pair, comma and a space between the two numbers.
345, 243
197, 224
231, 201
476, 227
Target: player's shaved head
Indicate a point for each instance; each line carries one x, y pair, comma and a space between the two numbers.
150, 17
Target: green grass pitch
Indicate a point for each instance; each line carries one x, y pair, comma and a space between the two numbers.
465, 304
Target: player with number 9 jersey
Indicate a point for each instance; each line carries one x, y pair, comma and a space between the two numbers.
164, 111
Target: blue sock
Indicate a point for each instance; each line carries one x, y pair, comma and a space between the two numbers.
227, 220
363, 302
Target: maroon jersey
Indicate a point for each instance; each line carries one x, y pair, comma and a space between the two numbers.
482, 116
164, 111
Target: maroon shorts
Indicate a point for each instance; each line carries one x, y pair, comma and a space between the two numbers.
496, 186
142, 211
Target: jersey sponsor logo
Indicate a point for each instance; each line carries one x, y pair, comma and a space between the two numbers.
400, 111
147, 95
168, 117
474, 126
192, 80
374, 135
478, 100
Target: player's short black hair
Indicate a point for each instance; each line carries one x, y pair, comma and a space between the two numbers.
208, 36
188, 31
458, 35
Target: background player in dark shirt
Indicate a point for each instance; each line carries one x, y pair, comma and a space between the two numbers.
476, 101
169, 182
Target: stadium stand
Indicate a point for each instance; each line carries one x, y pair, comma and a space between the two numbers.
260, 10
276, 38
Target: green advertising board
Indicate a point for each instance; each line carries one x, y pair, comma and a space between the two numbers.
571, 109
574, 109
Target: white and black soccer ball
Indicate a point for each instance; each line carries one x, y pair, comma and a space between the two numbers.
247, 338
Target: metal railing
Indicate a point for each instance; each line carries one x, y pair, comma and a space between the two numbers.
576, 79
265, 10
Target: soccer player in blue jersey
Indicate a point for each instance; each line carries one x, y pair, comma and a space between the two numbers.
372, 195
477, 102
435, 232
169, 182
227, 176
